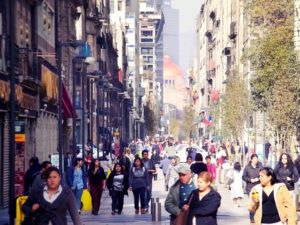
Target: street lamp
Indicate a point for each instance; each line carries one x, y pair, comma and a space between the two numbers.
103, 84
60, 45
93, 77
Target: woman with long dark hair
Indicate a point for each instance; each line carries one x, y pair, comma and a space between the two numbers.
76, 180
97, 181
286, 172
138, 184
270, 201
117, 184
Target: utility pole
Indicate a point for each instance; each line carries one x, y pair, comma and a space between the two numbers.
83, 80
11, 7
58, 47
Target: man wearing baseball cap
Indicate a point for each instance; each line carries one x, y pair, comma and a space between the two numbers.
179, 192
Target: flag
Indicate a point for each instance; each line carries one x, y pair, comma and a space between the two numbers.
208, 121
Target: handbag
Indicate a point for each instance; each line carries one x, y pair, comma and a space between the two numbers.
181, 219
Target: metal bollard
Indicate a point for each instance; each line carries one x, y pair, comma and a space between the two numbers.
152, 205
156, 209
296, 201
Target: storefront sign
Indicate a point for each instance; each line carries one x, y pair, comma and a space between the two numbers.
20, 127
54, 158
20, 138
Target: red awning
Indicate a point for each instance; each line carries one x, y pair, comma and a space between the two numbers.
67, 106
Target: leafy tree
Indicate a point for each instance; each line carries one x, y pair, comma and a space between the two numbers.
215, 112
150, 120
175, 127
275, 82
188, 122
235, 107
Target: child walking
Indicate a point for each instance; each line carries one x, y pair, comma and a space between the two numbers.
237, 192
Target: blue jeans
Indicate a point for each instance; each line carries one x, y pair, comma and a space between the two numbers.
78, 194
148, 196
251, 215
139, 194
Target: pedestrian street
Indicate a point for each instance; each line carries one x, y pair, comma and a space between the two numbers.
228, 213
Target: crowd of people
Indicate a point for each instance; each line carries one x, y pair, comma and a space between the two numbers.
270, 188
191, 185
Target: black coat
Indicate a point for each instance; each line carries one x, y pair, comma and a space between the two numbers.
96, 179
283, 172
125, 162
198, 167
110, 179
30, 175
250, 173
205, 210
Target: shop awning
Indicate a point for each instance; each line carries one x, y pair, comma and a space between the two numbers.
67, 106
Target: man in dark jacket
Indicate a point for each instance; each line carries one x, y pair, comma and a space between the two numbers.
150, 167
179, 192
251, 176
31, 174
125, 162
199, 166
39, 181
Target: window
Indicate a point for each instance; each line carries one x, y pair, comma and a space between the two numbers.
148, 67
131, 56
148, 59
46, 23
23, 25
112, 6
147, 33
150, 85
147, 40
147, 50
119, 5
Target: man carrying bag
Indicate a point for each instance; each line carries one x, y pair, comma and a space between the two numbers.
179, 194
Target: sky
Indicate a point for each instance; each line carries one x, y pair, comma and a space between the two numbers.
188, 10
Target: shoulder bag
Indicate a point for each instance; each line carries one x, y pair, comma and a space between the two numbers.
182, 218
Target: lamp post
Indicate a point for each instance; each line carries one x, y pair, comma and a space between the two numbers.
59, 47
97, 120
83, 80
94, 78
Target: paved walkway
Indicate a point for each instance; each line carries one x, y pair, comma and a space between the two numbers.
228, 213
